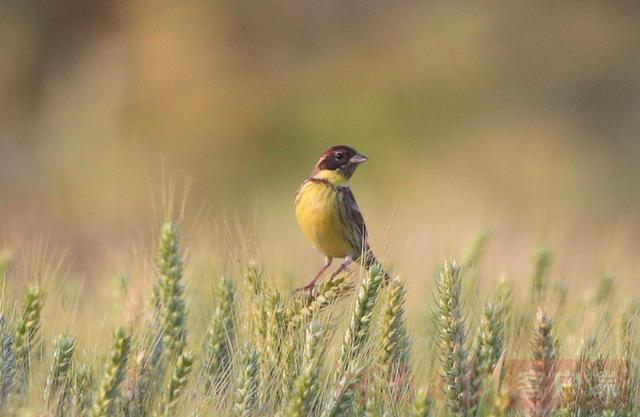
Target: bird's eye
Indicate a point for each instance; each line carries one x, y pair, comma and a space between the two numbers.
339, 156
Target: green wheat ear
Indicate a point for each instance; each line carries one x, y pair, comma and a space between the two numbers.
502, 403
489, 340
567, 403
173, 307
349, 364
342, 398
253, 279
147, 368
305, 388
304, 310
114, 374
324, 295
504, 300
393, 351
477, 250
452, 338
275, 331
176, 385
220, 338
630, 367
540, 277
7, 361
247, 384
606, 289
422, 404
589, 391
486, 351
82, 388
543, 355
256, 323
358, 331
6, 258
27, 334
58, 384
471, 266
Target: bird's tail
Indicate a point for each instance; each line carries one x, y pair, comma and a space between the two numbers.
369, 260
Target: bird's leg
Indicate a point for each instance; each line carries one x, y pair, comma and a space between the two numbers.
343, 267
312, 284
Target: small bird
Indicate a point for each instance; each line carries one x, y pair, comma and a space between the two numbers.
328, 214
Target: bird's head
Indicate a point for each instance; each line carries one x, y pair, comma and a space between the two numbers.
337, 164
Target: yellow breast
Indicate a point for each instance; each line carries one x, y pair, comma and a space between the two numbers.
318, 214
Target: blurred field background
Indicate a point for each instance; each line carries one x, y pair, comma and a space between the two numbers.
517, 118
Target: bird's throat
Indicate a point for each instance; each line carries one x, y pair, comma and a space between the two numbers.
334, 177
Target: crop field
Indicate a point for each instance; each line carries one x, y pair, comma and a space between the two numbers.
170, 177
247, 344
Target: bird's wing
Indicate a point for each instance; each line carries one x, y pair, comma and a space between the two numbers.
354, 221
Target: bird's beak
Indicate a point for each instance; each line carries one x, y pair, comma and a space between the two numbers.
358, 159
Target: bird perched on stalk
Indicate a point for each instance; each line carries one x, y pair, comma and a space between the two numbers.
328, 214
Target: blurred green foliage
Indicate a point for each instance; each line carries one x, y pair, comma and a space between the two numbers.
529, 105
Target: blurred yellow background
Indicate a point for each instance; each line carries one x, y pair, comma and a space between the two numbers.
522, 118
